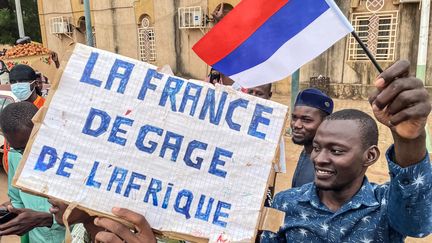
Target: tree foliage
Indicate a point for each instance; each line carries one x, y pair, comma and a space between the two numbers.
8, 21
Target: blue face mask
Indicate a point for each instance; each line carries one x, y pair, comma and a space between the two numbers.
22, 90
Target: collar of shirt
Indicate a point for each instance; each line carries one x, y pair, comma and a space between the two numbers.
365, 196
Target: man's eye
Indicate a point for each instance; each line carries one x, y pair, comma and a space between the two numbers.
337, 152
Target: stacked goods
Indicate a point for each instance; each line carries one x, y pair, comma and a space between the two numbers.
29, 49
34, 55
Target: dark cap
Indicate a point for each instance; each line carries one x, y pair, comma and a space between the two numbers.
21, 72
315, 98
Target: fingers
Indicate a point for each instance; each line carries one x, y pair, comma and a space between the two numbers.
394, 89
117, 228
406, 99
54, 210
15, 210
399, 69
137, 219
420, 110
373, 95
107, 237
11, 223
14, 230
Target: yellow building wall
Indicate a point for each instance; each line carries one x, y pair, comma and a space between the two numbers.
144, 7
116, 29
165, 30
54, 8
48, 9
78, 10
42, 22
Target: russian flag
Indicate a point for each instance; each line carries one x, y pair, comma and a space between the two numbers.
263, 41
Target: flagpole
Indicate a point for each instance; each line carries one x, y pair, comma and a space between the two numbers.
368, 53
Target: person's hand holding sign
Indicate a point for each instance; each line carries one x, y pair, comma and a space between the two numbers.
117, 232
25, 221
402, 103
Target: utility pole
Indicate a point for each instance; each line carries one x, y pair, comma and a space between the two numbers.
19, 18
295, 80
89, 29
422, 53
295, 77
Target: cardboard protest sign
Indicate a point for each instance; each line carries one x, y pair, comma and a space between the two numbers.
194, 159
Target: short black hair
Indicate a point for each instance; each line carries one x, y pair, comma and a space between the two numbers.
17, 117
368, 126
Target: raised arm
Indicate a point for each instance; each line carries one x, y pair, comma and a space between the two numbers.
402, 103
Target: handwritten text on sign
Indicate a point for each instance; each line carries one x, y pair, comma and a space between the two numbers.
191, 157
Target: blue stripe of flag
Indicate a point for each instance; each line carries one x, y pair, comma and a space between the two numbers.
276, 31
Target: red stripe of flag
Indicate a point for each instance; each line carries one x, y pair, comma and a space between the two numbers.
235, 28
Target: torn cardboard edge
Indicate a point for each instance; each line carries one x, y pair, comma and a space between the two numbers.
269, 219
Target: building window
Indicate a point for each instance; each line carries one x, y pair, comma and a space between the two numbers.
378, 31
146, 41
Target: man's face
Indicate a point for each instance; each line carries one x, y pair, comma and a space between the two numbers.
38, 86
18, 140
305, 121
338, 155
262, 91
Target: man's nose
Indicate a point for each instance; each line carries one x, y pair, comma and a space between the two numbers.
320, 157
298, 124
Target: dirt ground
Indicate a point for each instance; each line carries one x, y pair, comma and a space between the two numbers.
377, 173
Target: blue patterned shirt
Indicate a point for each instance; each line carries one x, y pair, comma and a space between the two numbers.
304, 171
377, 213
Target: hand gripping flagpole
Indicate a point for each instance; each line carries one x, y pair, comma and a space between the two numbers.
368, 53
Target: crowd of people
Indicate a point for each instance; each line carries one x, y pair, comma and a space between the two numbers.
331, 199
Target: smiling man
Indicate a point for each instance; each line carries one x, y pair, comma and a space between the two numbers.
342, 205
310, 109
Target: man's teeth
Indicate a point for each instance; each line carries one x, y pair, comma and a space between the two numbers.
324, 172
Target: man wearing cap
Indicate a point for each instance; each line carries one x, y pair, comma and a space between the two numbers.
342, 205
310, 109
26, 86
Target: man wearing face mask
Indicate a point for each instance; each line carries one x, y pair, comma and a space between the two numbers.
26, 86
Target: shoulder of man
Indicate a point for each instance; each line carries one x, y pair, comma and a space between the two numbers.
291, 196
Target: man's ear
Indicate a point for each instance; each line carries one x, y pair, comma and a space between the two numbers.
371, 155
